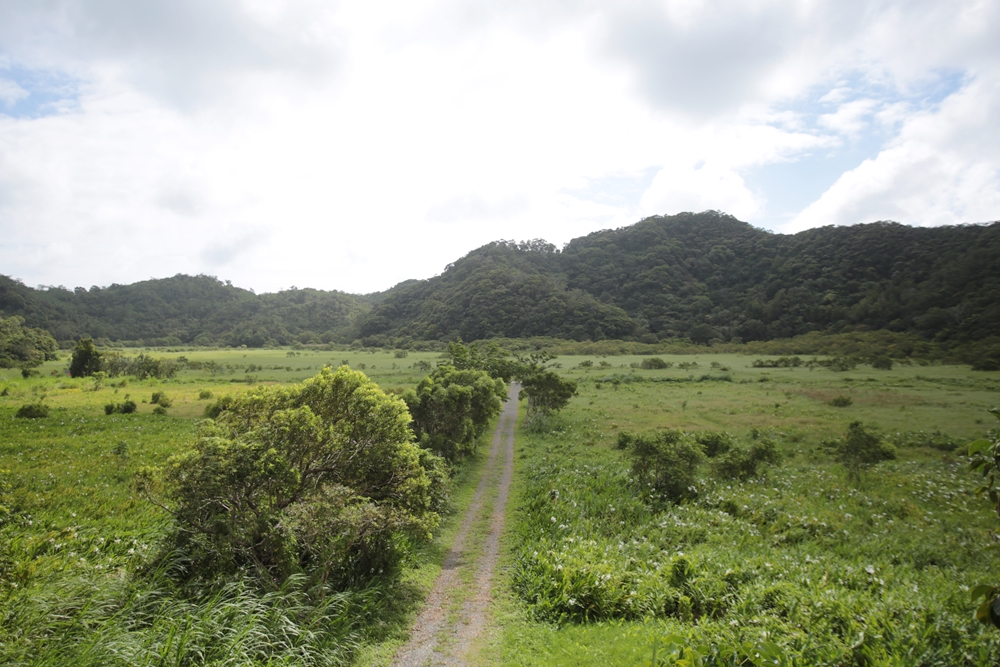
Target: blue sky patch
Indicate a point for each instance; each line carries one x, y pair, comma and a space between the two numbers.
29, 93
792, 185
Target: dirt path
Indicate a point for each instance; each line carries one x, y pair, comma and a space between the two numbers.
444, 632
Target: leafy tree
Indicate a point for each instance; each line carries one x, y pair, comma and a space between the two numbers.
546, 392
86, 359
488, 356
22, 346
451, 408
322, 477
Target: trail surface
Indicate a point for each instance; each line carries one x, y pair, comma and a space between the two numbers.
448, 625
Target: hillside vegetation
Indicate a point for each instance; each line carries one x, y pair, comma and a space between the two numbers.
705, 277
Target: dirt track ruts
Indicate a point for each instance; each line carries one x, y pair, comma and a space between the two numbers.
435, 621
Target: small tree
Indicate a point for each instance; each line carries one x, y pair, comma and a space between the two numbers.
451, 408
322, 477
860, 449
86, 359
546, 392
24, 347
667, 460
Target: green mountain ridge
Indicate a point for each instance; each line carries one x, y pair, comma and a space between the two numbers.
704, 276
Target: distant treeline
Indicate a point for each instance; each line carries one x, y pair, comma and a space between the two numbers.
690, 279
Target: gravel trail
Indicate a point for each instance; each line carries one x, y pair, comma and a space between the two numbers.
439, 636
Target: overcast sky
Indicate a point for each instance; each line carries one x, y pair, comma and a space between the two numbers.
351, 145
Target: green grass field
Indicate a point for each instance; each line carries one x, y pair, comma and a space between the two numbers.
803, 564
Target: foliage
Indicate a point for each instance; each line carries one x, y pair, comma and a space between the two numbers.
86, 359
861, 448
451, 408
23, 346
141, 367
487, 356
796, 570
205, 394
320, 477
743, 461
655, 363
985, 460
32, 411
126, 407
714, 442
780, 362
667, 461
841, 401
160, 398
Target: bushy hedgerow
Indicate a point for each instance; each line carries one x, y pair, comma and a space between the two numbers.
321, 478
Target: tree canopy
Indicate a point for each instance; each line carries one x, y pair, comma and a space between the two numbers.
321, 477
22, 346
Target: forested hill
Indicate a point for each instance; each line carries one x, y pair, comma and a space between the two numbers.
186, 309
704, 276
709, 276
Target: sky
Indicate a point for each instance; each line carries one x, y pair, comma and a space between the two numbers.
352, 145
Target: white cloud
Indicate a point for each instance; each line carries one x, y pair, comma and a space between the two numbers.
352, 145
943, 168
704, 187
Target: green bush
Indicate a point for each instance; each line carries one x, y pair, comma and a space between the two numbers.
126, 407
882, 363
451, 408
667, 461
841, 401
32, 411
86, 359
714, 442
744, 461
655, 363
160, 398
321, 478
862, 448
204, 395
159, 410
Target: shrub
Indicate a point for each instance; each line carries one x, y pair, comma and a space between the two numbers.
322, 477
714, 442
861, 448
667, 461
159, 410
204, 395
400, 354
86, 359
160, 398
744, 462
655, 363
882, 363
841, 401
128, 406
32, 411
451, 408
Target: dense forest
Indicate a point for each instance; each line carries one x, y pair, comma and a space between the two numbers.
704, 277
711, 277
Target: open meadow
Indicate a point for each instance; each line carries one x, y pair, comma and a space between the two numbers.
801, 564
